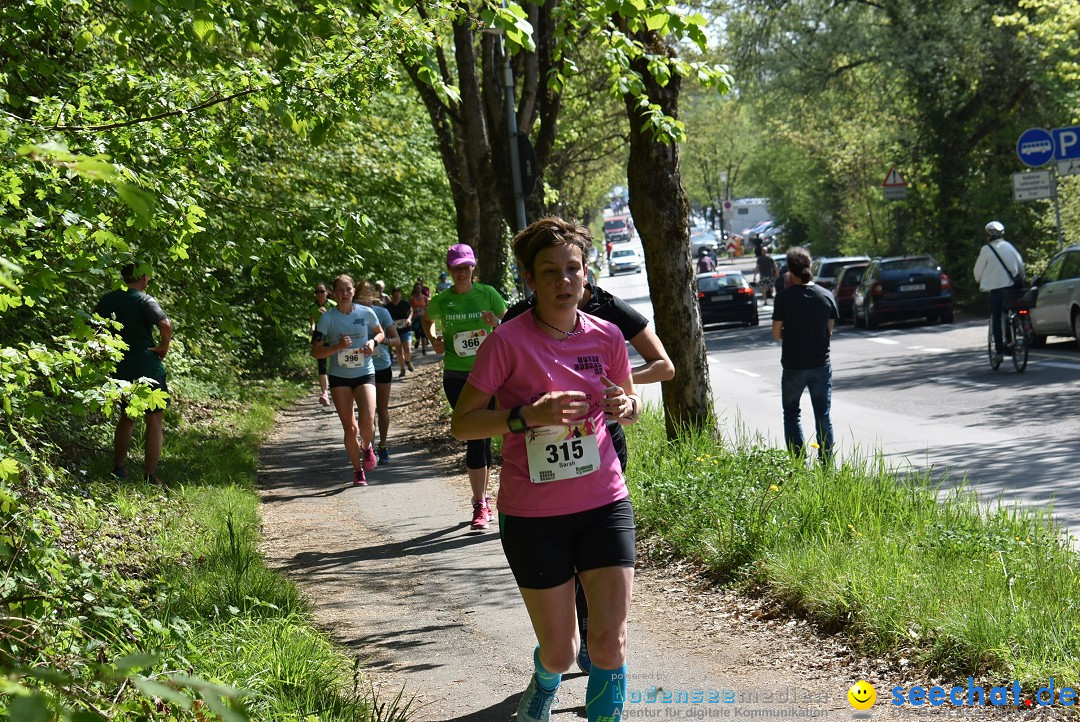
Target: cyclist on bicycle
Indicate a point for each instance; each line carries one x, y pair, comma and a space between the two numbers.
1000, 267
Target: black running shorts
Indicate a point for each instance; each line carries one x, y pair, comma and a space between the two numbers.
544, 551
339, 381
385, 376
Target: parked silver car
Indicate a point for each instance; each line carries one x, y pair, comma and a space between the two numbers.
1056, 309
825, 269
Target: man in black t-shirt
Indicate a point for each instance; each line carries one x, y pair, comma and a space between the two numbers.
765, 273
634, 327
803, 318
138, 314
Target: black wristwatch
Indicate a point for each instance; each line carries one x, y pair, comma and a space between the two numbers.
516, 422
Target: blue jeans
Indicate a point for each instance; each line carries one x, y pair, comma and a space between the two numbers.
997, 307
819, 382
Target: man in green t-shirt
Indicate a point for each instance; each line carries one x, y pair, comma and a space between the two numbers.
138, 313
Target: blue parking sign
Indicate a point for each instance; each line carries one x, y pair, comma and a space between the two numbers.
1066, 143
1035, 147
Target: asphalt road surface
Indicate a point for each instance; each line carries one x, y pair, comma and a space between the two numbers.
924, 396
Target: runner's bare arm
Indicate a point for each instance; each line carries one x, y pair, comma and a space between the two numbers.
657, 366
621, 400
319, 349
392, 338
436, 342
165, 329
472, 418
378, 336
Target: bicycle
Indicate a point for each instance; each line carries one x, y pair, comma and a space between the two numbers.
1017, 333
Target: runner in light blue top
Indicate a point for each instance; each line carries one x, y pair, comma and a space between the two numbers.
350, 362
349, 335
382, 359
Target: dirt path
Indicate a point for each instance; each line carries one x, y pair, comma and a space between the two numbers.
398, 577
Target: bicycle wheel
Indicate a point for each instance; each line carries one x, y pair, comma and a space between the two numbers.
990, 346
1020, 342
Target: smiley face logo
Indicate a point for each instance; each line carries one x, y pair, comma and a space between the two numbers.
862, 695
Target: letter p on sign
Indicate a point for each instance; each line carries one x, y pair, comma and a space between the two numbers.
1066, 143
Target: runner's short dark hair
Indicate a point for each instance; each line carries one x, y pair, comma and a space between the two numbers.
548, 232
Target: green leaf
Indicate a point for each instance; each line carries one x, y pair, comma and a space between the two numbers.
657, 22
86, 716
137, 199
83, 40
152, 689
203, 26
29, 709
94, 168
318, 133
136, 660
9, 469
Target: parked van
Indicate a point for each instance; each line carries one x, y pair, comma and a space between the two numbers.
746, 213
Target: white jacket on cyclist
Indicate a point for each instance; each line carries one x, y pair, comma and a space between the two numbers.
993, 274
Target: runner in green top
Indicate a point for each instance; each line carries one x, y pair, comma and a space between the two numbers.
467, 313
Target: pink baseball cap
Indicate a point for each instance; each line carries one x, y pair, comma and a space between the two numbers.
460, 254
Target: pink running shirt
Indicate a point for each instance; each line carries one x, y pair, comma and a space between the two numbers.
518, 364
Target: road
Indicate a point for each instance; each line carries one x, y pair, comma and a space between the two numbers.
924, 396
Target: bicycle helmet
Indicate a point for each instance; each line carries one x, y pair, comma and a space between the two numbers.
994, 229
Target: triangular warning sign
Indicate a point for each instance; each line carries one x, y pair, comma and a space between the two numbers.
894, 179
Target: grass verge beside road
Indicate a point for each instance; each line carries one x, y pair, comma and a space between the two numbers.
866, 551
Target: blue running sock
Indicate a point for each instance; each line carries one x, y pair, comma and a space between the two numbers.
544, 679
605, 694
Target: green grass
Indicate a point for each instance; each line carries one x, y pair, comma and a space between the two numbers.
863, 550
201, 597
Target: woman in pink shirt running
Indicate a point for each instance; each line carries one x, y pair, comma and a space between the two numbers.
563, 504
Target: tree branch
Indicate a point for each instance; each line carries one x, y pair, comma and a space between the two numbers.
137, 121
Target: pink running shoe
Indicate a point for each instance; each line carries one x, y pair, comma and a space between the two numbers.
481, 514
324, 399
359, 478
370, 460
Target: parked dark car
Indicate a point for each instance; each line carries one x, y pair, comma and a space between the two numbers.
726, 296
844, 289
1056, 292
902, 287
825, 269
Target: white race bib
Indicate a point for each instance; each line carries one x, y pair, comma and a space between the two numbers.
561, 452
402, 323
351, 358
467, 343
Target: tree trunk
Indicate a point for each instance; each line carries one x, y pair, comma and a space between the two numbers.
662, 215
